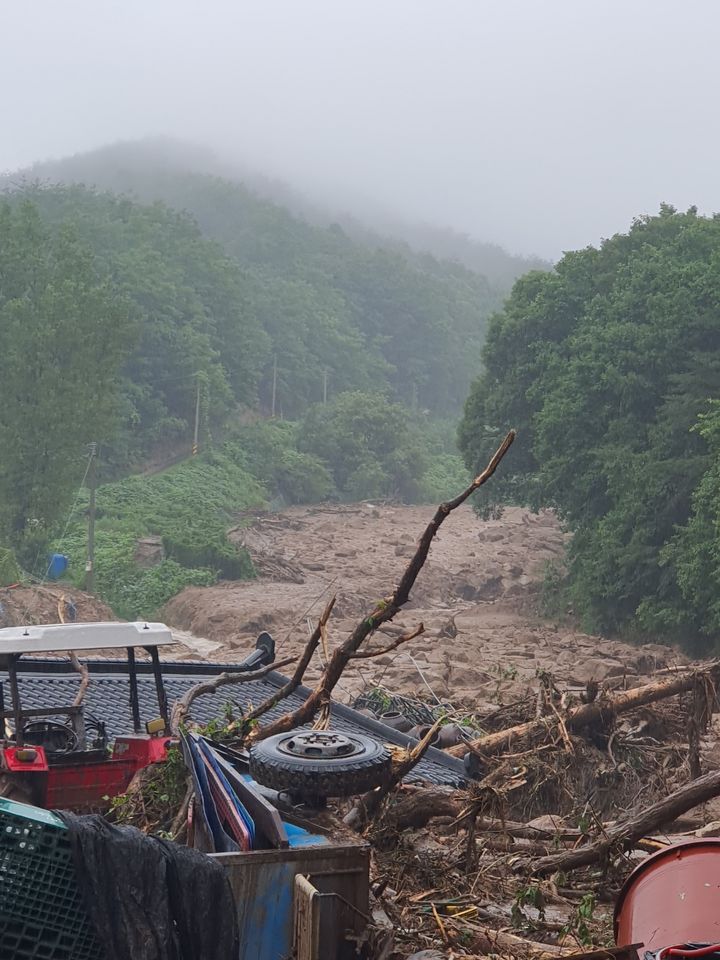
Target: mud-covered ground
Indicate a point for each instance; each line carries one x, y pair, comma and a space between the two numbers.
477, 597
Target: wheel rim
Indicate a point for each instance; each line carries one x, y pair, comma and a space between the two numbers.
320, 745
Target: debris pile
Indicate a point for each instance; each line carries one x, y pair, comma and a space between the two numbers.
567, 787
30, 604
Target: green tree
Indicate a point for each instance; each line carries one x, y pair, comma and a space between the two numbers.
339, 302
604, 367
367, 444
63, 335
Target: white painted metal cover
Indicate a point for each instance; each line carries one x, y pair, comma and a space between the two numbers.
59, 637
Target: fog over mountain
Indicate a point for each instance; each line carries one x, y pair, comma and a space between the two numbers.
540, 127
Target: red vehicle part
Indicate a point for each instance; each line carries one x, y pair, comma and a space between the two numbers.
85, 786
672, 898
24, 760
85, 780
141, 748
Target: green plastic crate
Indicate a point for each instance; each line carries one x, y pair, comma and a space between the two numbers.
42, 916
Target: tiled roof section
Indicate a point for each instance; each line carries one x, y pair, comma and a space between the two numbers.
48, 683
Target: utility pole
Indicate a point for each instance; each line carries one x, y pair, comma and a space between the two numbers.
92, 484
197, 420
274, 386
325, 378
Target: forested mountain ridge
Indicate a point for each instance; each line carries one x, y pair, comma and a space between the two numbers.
127, 167
609, 367
354, 313
119, 316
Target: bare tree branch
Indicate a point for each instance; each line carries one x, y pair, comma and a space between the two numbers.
181, 706
78, 667
82, 669
368, 806
599, 711
623, 834
303, 663
368, 654
384, 611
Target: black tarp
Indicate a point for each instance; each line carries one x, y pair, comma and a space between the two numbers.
151, 899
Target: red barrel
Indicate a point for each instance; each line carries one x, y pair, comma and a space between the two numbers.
672, 898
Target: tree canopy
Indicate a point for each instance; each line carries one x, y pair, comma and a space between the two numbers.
605, 366
64, 333
345, 306
123, 319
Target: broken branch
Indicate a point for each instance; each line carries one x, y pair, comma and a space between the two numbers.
367, 654
599, 711
385, 610
78, 667
507, 944
297, 677
623, 834
369, 805
180, 707
82, 669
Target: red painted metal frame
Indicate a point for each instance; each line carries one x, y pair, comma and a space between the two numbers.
87, 786
85, 781
10, 762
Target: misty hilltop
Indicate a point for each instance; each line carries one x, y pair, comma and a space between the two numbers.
141, 168
280, 311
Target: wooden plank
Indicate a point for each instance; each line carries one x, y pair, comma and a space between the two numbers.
306, 925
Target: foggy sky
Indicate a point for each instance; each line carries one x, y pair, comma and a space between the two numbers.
542, 125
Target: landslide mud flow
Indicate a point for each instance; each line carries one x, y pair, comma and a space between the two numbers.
477, 597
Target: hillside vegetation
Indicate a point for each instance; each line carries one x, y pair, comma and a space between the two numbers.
357, 311
189, 508
123, 319
144, 167
608, 367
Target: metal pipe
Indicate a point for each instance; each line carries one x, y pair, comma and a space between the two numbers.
134, 700
157, 673
15, 696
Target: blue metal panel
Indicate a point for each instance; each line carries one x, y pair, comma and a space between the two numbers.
266, 924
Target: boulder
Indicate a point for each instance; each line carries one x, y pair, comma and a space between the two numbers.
598, 668
149, 552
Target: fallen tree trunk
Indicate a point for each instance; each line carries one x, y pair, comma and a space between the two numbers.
524, 735
500, 943
415, 807
623, 834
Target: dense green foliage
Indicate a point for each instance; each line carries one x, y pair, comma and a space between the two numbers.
122, 320
190, 507
63, 333
359, 446
188, 305
604, 367
268, 450
368, 445
361, 311
9, 570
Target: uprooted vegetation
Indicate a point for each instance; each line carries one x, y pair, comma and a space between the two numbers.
568, 789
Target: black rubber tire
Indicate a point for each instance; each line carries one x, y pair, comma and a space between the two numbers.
317, 778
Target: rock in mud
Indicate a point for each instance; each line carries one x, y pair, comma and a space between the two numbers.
597, 668
489, 588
